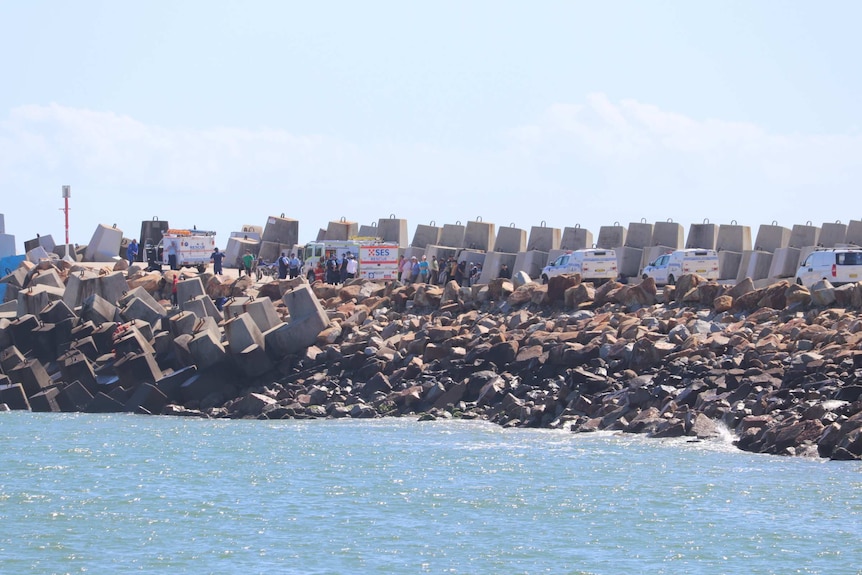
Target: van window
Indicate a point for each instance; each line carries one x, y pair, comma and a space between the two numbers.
562, 260
849, 258
701, 253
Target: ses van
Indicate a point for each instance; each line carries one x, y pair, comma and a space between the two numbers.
838, 265
668, 268
594, 265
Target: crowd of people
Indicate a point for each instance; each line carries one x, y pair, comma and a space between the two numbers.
337, 270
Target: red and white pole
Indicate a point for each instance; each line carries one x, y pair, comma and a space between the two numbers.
67, 193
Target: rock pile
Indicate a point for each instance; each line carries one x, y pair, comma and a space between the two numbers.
779, 367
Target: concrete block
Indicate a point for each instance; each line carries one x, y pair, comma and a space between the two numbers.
103, 403
135, 368
138, 309
369, 231
10, 358
147, 398
206, 350
242, 331
44, 343
804, 235
493, 262
45, 401
45, 242
668, 234
576, 238
79, 286
307, 320
182, 323
2, 224
34, 299
99, 310
853, 236
103, 336
281, 230
425, 235
443, 253
728, 264
832, 234
412, 251
770, 238
56, 311
143, 295
189, 288
471, 257
341, 230
393, 230
785, 262
22, 332
639, 235
31, 375
510, 240
452, 235
703, 236
543, 239
253, 361
207, 382
236, 248
611, 237
87, 346
67, 253
48, 277
261, 310
479, 235
104, 246
170, 383
75, 366
7, 245
14, 396
131, 340
74, 397
756, 265
38, 254
530, 262
629, 261
202, 306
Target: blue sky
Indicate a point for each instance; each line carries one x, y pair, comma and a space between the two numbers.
220, 114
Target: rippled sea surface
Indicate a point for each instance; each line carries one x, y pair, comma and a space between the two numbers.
123, 493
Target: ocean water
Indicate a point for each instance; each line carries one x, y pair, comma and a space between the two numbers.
134, 494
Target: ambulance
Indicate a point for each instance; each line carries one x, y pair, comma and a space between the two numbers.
193, 248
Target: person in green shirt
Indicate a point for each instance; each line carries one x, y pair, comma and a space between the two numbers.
247, 262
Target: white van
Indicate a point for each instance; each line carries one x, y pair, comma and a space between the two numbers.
594, 265
666, 269
838, 265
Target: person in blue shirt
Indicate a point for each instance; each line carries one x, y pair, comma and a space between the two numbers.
216, 258
132, 251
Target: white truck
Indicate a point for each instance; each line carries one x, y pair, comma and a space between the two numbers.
315, 254
667, 268
595, 265
192, 248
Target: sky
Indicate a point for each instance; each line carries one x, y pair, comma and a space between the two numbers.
219, 114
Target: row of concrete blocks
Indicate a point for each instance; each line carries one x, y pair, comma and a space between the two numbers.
136, 366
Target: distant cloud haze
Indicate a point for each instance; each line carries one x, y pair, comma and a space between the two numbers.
591, 163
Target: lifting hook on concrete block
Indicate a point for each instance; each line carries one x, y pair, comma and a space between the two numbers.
343, 219
670, 220
774, 222
837, 221
457, 222
114, 226
432, 223
733, 222
643, 220
155, 218
542, 223
706, 220
478, 218
577, 226
282, 215
391, 216
808, 223
616, 224
512, 225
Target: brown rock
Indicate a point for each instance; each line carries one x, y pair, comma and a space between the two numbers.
558, 285
722, 303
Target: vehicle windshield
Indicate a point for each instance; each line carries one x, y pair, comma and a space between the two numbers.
562, 260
